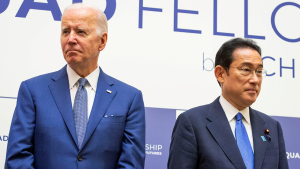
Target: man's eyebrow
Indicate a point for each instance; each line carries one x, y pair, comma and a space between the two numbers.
80, 28
64, 28
260, 65
251, 64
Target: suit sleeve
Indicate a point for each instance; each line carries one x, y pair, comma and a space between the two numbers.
133, 144
183, 148
283, 163
20, 144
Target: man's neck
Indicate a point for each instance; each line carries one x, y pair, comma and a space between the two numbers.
85, 71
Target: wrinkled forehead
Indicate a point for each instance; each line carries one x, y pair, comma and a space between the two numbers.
84, 16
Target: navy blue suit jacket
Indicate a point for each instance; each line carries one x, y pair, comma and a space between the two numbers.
42, 133
202, 138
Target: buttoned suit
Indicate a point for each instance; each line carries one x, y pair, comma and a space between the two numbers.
43, 134
202, 139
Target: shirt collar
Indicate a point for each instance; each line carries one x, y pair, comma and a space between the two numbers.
231, 111
92, 77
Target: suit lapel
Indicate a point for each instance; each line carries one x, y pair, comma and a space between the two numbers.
61, 94
221, 131
105, 93
260, 146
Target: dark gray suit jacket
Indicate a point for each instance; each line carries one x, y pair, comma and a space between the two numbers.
202, 138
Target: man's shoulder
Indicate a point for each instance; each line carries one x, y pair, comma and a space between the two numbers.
203, 110
199, 111
41, 79
266, 118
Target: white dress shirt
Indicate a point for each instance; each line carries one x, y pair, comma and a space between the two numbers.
231, 112
90, 87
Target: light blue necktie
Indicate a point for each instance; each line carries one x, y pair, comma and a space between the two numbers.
80, 111
243, 142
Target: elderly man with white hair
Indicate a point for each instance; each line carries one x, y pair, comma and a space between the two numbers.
78, 117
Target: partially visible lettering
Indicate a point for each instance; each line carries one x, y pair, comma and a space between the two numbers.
3, 138
52, 6
153, 153
3, 5
290, 155
110, 7
30, 4
274, 25
211, 65
154, 147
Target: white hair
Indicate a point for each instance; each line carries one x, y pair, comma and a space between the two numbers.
101, 25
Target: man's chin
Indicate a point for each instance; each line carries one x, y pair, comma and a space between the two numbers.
73, 59
249, 101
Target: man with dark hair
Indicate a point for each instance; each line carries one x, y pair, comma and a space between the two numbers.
228, 133
224, 55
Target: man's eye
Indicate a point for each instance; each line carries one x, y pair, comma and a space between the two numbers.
246, 69
259, 71
65, 32
81, 32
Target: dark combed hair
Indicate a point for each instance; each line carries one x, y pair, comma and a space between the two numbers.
224, 56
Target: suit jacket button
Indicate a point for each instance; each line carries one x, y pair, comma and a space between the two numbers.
79, 158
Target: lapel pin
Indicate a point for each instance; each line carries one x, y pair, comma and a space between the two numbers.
105, 116
263, 138
267, 133
108, 91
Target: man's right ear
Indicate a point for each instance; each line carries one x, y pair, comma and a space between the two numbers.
220, 73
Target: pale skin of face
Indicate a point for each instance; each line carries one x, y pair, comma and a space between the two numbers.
80, 42
239, 90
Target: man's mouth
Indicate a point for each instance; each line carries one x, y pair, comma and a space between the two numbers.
251, 90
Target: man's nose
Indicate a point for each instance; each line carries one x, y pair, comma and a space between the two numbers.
72, 38
254, 78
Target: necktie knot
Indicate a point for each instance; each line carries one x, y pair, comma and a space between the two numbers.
239, 117
82, 82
